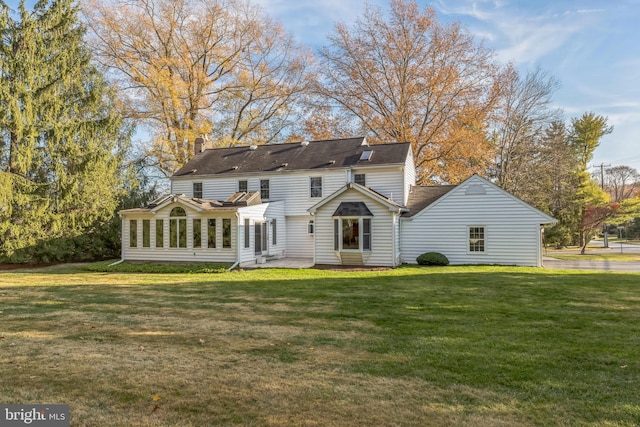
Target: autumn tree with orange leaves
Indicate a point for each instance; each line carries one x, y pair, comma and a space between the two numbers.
410, 78
187, 68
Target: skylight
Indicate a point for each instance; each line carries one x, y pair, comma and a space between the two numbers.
366, 155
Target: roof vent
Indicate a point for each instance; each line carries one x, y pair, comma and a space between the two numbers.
253, 147
364, 142
331, 162
234, 167
366, 155
304, 143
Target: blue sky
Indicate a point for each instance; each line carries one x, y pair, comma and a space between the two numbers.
591, 46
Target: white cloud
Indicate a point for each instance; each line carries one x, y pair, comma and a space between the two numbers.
521, 34
591, 10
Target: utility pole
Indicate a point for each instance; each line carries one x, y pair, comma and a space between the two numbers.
605, 230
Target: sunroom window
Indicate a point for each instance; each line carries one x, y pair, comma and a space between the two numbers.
178, 228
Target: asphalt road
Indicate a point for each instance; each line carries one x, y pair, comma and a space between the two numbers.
597, 265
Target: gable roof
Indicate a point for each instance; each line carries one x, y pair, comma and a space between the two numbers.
380, 198
326, 154
472, 183
421, 196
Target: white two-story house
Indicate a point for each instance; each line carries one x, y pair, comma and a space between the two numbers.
335, 201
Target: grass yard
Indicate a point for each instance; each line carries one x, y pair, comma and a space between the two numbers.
472, 346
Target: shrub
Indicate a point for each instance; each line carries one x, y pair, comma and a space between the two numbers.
432, 258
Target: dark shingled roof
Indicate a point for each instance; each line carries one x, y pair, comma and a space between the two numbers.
422, 196
352, 209
328, 154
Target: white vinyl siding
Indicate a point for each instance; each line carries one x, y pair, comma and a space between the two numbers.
299, 242
265, 212
382, 225
387, 181
511, 228
294, 187
409, 177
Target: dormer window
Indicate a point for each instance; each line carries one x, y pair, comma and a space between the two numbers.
366, 155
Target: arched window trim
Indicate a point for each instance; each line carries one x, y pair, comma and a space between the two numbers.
178, 211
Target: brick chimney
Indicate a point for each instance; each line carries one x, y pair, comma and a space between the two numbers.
198, 145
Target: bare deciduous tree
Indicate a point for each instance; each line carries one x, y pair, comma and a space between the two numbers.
525, 113
621, 182
411, 78
194, 67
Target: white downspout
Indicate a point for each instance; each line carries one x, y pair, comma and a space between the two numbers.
396, 249
314, 235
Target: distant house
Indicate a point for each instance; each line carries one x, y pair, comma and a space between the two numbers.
336, 201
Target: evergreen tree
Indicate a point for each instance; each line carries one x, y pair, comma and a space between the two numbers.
586, 135
61, 141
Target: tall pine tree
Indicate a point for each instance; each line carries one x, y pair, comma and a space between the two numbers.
61, 140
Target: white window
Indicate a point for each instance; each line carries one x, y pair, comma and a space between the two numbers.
352, 234
197, 190
359, 178
146, 233
476, 239
243, 185
274, 232
226, 232
178, 228
133, 233
247, 236
159, 233
197, 232
316, 186
211, 233
264, 189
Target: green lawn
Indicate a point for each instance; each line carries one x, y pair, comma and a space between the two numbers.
411, 346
